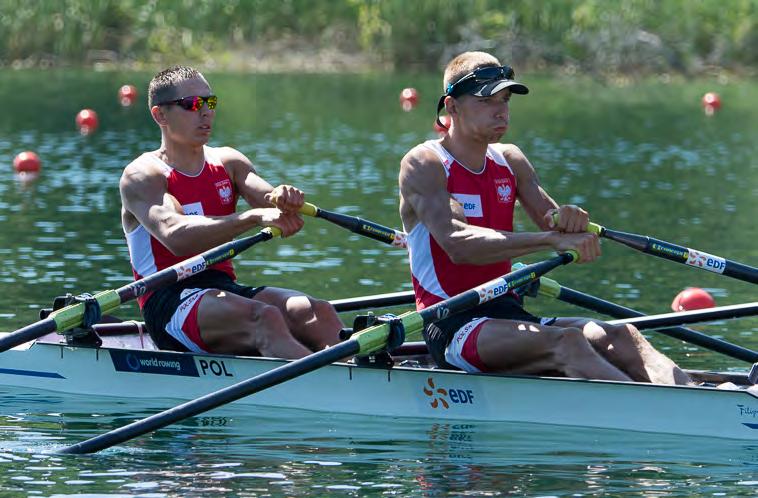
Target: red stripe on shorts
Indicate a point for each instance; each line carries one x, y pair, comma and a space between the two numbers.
469, 350
191, 328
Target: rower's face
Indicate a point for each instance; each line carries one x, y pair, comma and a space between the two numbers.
187, 126
484, 118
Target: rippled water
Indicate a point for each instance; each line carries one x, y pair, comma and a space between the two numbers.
641, 159
296, 453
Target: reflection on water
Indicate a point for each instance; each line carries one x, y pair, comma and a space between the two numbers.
644, 161
256, 450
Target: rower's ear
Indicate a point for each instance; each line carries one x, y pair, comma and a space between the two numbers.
158, 114
451, 105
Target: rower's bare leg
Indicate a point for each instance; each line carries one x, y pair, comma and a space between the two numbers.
232, 324
627, 348
523, 347
314, 322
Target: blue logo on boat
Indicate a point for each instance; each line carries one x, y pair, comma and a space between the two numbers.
154, 362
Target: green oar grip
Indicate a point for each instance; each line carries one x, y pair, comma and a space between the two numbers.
274, 231
594, 228
591, 227
549, 287
309, 209
72, 316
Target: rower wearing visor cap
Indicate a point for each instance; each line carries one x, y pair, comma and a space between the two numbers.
457, 197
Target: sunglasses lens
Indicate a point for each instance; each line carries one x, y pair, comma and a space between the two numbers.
189, 103
212, 100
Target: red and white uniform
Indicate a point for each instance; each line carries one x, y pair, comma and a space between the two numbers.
208, 193
487, 198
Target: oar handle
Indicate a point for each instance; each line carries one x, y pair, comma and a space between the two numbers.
591, 227
309, 209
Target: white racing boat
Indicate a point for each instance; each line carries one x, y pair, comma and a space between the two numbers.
127, 365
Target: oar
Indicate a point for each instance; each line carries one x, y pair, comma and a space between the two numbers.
358, 225
694, 316
679, 254
373, 301
73, 315
362, 343
550, 288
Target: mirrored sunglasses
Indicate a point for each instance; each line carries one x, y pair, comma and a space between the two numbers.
193, 102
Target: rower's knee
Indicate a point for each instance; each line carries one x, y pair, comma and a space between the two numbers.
268, 326
323, 309
572, 346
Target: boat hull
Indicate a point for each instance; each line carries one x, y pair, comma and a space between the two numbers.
394, 392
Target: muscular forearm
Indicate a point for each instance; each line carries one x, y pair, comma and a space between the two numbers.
191, 234
482, 246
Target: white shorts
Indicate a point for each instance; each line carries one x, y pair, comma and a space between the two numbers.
183, 323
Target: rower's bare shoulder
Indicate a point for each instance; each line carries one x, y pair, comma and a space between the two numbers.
516, 159
511, 152
232, 159
141, 173
419, 160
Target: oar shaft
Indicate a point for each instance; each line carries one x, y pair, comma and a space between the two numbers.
587, 301
375, 301
208, 402
494, 288
71, 316
696, 316
680, 254
358, 225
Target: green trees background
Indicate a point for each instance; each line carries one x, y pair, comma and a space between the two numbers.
616, 36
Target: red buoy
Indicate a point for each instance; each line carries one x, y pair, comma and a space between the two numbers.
693, 298
408, 98
87, 121
27, 162
711, 103
445, 120
127, 94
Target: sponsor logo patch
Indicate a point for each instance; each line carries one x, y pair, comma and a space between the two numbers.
443, 398
471, 203
193, 208
706, 261
154, 363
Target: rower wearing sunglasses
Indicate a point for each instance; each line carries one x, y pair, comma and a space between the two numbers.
180, 200
457, 196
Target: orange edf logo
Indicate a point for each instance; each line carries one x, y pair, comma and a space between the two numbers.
439, 398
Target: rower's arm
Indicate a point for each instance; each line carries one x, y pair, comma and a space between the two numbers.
536, 201
425, 199
256, 191
146, 201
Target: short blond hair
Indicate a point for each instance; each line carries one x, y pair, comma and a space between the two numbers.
464, 63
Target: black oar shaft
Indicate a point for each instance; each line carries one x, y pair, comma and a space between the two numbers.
488, 291
695, 316
375, 301
587, 301
680, 254
358, 225
208, 402
72, 316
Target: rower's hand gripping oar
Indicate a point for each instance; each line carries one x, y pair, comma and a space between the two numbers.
365, 342
550, 288
678, 254
73, 315
358, 225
